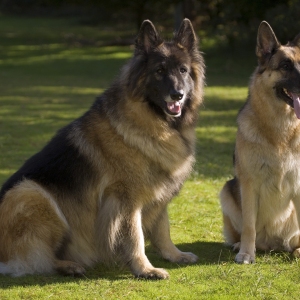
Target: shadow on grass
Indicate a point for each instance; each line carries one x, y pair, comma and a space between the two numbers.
208, 253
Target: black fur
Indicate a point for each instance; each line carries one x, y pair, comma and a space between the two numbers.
56, 167
104, 181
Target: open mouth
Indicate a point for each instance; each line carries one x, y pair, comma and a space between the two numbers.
293, 100
288, 97
174, 108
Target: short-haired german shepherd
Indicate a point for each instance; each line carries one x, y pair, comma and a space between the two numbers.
261, 205
103, 183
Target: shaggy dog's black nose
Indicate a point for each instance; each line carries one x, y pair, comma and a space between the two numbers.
176, 95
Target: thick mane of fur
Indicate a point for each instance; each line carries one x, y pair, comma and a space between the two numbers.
134, 78
103, 183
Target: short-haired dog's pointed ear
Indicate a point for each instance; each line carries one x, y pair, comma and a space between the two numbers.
186, 35
147, 37
267, 42
296, 40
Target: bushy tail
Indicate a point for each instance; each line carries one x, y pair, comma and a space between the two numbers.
34, 264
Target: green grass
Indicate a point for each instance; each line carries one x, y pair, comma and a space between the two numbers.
46, 82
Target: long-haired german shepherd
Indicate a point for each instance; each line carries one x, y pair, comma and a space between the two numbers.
102, 184
261, 205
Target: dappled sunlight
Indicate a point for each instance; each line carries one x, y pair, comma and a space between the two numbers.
215, 146
216, 132
28, 54
227, 92
212, 118
22, 48
62, 90
51, 70
13, 100
5, 172
99, 55
35, 119
219, 134
218, 114
221, 106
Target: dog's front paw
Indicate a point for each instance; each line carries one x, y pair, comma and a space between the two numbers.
185, 258
154, 273
296, 253
69, 268
180, 257
244, 258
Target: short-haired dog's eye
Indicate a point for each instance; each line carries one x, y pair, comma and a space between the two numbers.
286, 65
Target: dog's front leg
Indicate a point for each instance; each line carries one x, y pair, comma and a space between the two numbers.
161, 240
135, 250
246, 254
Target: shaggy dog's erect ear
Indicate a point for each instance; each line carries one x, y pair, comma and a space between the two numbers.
267, 42
186, 35
147, 38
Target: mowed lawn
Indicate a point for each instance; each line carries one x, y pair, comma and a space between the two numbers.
51, 70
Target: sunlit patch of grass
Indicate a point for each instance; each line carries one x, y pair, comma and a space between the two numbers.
227, 92
38, 54
61, 90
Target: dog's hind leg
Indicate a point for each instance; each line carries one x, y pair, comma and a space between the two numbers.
32, 229
232, 216
295, 220
161, 240
295, 245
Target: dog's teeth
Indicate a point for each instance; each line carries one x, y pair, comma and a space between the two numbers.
287, 93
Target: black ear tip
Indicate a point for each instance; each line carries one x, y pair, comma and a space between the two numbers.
186, 20
264, 25
146, 23
266, 30
186, 23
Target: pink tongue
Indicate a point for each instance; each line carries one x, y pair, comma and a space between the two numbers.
296, 99
174, 107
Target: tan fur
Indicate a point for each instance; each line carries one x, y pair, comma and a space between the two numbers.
136, 149
30, 219
261, 206
136, 162
126, 158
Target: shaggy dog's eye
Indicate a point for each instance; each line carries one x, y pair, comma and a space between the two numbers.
183, 70
160, 71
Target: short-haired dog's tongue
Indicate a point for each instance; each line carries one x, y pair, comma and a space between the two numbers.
296, 99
